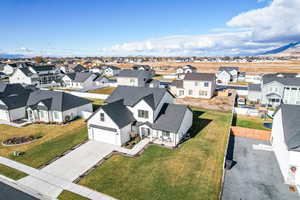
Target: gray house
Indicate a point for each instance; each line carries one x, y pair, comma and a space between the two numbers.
137, 78
276, 89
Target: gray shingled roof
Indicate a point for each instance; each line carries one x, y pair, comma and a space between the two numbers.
146, 67
289, 79
40, 68
118, 113
254, 87
291, 126
26, 71
228, 69
60, 101
79, 68
200, 77
132, 95
177, 83
79, 76
15, 101
170, 117
132, 73
11, 89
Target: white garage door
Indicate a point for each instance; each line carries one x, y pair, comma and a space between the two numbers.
104, 136
4, 115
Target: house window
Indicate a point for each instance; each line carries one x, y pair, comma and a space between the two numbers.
102, 117
206, 84
143, 114
132, 80
181, 92
202, 93
166, 133
190, 92
56, 116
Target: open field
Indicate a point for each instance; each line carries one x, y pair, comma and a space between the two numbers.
192, 171
287, 66
55, 140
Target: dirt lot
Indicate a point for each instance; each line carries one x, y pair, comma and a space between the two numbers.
287, 66
218, 103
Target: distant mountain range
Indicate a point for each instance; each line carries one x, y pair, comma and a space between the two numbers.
291, 49
11, 56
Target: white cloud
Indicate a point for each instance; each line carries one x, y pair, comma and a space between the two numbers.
249, 32
253, 31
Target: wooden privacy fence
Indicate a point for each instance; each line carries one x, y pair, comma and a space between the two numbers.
250, 133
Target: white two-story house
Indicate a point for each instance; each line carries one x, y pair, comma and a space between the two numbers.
79, 80
276, 89
227, 74
196, 85
285, 141
40, 76
181, 71
137, 78
147, 112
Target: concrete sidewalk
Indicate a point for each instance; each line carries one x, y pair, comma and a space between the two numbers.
44, 179
59, 175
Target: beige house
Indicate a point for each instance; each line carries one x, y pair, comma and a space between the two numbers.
196, 85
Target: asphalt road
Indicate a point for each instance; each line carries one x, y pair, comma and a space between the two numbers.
9, 193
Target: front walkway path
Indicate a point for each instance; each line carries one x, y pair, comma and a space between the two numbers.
59, 175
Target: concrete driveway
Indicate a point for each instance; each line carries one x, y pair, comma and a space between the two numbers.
256, 174
70, 166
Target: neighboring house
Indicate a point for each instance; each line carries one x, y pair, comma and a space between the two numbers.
181, 71
285, 141
279, 88
145, 68
226, 75
253, 78
153, 83
196, 85
254, 92
79, 80
12, 89
147, 112
40, 76
79, 68
136, 78
9, 69
106, 70
43, 106
101, 81
241, 77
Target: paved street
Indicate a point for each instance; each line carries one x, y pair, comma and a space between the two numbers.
256, 174
7, 192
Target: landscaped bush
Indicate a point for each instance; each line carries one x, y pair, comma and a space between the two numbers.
20, 140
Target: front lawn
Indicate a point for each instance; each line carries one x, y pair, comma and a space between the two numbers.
105, 90
66, 195
251, 122
55, 140
192, 171
11, 173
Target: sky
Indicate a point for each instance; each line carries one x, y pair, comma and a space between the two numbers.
143, 27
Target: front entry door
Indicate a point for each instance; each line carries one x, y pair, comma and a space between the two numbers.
145, 132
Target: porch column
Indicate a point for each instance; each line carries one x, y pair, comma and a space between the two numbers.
174, 139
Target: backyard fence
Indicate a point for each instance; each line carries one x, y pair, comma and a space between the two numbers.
251, 133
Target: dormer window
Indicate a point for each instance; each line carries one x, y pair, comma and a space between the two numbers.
143, 114
102, 117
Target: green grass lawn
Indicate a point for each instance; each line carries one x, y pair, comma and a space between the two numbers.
251, 122
41, 154
192, 171
66, 195
11, 173
105, 90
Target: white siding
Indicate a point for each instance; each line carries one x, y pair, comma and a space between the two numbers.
186, 124
142, 105
279, 146
18, 113
4, 115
